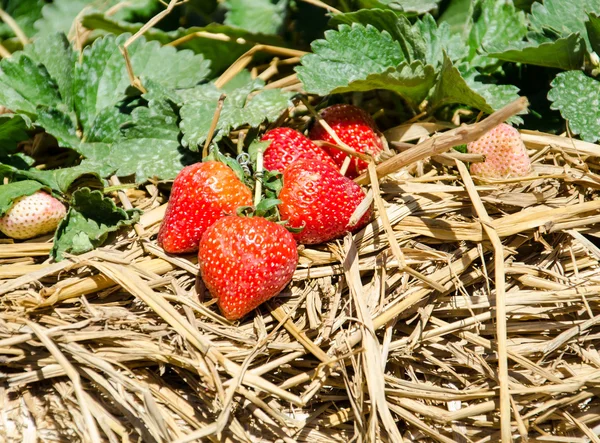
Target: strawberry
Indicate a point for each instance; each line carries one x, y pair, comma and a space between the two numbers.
288, 145
320, 199
201, 194
244, 261
32, 215
354, 127
505, 154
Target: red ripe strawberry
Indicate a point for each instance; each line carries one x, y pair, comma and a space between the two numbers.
505, 154
354, 127
201, 194
287, 145
244, 261
320, 199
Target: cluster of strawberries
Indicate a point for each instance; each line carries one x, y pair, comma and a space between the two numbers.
245, 261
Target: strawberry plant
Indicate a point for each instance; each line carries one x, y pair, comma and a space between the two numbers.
299, 152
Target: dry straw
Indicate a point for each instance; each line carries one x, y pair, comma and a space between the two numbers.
466, 311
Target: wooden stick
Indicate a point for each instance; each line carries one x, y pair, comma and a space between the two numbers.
446, 141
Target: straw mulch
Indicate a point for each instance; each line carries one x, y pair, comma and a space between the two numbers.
465, 310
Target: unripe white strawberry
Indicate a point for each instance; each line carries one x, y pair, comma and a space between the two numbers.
505, 154
32, 215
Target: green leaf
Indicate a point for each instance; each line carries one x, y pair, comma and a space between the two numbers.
238, 109
564, 17
216, 155
452, 87
577, 97
565, 53
90, 219
84, 103
266, 205
12, 191
409, 7
400, 29
412, 82
219, 53
102, 79
349, 54
496, 96
12, 131
60, 14
593, 31
439, 39
255, 146
62, 125
150, 144
55, 53
59, 180
461, 148
17, 161
257, 16
25, 13
494, 24
457, 15
24, 85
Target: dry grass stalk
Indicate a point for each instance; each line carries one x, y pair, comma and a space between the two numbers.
499, 281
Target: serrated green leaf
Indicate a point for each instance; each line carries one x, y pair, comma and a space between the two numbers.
59, 180
564, 17
494, 23
219, 53
593, 31
345, 56
18, 161
83, 102
150, 145
424, 41
409, 7
12, 191
25, 13
412, 82
101, 78
439, 39
577, 97
60, 14
12, 130
55, 53
457, 15
496, 96
90, 219
61, 125
258, 16
238, 109
400, 29
565, 53
24, 85
452, 87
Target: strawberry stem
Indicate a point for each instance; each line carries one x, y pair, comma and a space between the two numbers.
259, 176
213, 125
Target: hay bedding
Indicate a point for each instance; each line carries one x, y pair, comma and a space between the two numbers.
123, 344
